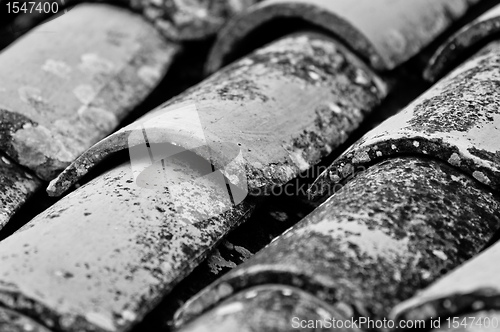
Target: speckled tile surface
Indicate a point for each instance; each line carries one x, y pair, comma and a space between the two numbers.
269, 195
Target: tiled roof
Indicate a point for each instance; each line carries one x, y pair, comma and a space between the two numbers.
166, 223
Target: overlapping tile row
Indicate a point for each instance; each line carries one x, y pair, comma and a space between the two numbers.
467, 298
285, 107
412, 199
456, 121
104, 255
385, 33
63, 88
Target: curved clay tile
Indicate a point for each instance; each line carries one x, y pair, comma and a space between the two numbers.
102, 257
61, 95
473, 35
472, 288
388, 232
64, 87
285, 107
456, 121
271, 308
386, 33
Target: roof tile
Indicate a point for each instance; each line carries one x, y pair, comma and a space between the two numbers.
384, 32
389, 231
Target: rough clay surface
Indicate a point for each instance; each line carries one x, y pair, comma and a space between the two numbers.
284, 107
56, 101
16, 186
472, 287
456, 121
266, 308
387, 233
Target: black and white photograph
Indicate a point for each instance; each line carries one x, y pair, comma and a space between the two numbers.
249, 165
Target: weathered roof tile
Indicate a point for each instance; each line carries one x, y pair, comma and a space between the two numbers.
102, 257
390, 230
456, 121
56, 100
285, 107
384, 32
470, 288
127, 237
